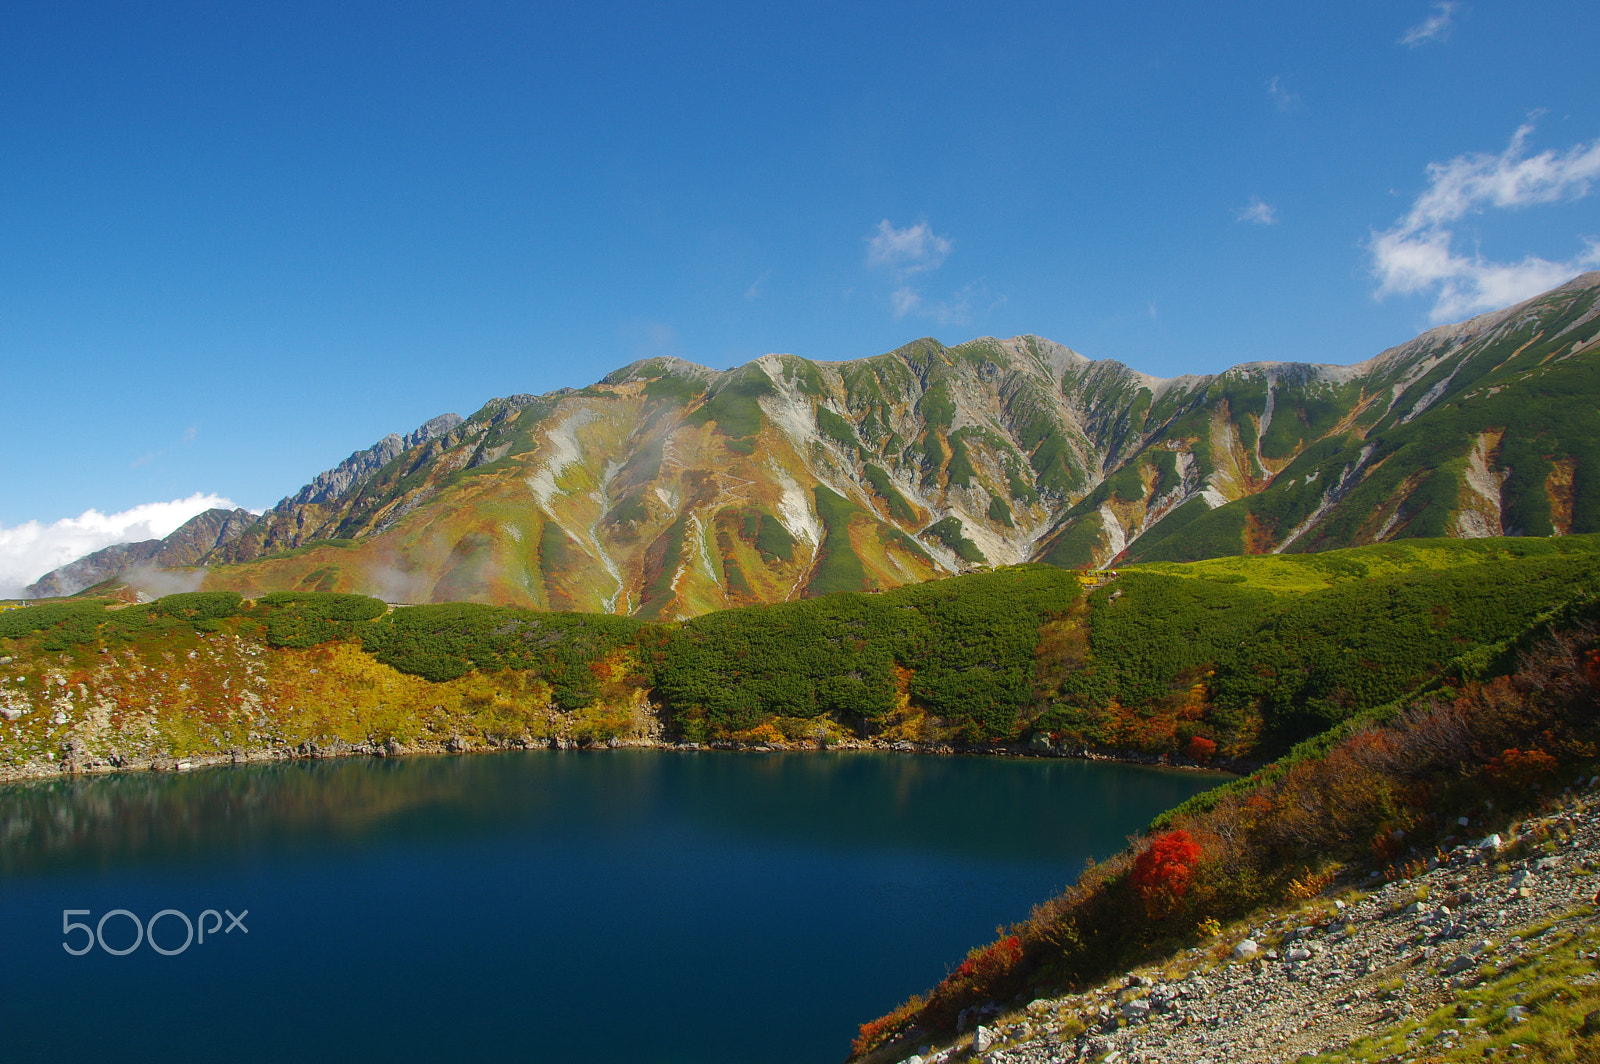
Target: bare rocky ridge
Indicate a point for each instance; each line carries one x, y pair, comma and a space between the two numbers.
1317, 978
187, 545
335, 482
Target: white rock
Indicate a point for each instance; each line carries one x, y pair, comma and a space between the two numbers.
982, 1040
1492, 842
1246, 949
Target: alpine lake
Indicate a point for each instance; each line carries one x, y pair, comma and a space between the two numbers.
652, 906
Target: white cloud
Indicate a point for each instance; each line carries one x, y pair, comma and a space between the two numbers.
904, 300
1257, 212
1281, 96
754, 291
31, 549
1418, 254
1436, 27
904, 252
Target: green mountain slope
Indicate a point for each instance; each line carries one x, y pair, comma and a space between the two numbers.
668, 490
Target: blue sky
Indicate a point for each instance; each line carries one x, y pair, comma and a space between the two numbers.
238, 242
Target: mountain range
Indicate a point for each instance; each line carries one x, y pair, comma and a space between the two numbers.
668, 489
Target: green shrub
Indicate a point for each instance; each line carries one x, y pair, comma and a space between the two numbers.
307, 618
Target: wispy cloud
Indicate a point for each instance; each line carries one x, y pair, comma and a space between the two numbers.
31, 549
905, 252
1436, 27
1418, 254
905, 300
649, 339
1257, 212
754, 291
910, 253
1282, 98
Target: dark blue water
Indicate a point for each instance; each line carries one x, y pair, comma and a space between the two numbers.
640, 906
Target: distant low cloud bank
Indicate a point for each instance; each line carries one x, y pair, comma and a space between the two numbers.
31, 549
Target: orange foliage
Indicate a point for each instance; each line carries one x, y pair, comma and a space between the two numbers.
1200, 748
1521, 768
875, 1032
1161, 874
993, 961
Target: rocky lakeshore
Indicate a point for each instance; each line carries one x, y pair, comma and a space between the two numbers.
1490, 950
76, 758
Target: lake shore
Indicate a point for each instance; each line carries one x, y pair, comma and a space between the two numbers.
70, 766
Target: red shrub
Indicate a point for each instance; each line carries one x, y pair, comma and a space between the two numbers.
1200, 748
1521, 767
992, 961
1161, 874
876, 1032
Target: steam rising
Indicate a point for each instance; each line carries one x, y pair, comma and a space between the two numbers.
152, 583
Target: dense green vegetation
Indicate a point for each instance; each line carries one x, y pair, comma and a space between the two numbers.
444, 641
899, 508
1355, 629
734, 408
304, 619
949, 532
1249, 654
967, 646
838, 565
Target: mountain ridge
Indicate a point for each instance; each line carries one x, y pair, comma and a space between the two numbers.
667, 488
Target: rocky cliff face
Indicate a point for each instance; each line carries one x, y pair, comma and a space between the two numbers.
191, 542
669, 489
